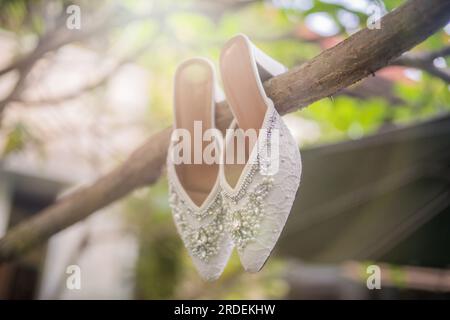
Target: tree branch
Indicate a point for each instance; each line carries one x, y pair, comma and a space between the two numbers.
60, 36
425, 62
50, 41
334, 69
90, 86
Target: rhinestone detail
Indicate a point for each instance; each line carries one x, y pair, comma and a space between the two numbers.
244, 223
259, 164
202, 241
217, 219
245, 184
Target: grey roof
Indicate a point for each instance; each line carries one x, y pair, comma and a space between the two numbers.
361, 199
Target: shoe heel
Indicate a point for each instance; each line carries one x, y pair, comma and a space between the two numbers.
267, 66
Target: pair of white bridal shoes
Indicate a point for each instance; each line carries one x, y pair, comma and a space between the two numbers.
244, 197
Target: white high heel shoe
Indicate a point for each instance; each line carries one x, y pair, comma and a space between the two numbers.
194, 189
259, 194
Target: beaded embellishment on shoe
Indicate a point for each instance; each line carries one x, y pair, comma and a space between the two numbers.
258, 207
203, 237
243, 224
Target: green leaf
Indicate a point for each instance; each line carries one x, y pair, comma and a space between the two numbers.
16, 139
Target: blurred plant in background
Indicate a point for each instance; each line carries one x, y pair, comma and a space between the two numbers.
152, 37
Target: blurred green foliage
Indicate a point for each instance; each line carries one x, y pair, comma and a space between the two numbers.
179, 31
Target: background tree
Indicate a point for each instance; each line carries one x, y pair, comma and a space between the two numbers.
327, 64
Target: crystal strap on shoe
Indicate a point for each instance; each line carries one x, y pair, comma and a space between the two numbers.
255, 166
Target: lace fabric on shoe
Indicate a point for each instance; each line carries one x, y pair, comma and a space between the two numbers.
258, 207
202, 229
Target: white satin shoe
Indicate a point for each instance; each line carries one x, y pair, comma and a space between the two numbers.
258, 194
194, 189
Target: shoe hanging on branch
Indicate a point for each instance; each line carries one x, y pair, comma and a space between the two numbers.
359, 56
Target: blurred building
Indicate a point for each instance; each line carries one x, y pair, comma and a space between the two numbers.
78, 141
100, 246
385, 198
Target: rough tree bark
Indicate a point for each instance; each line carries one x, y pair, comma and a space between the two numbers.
334, 69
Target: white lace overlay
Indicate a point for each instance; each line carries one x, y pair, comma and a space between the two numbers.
202, 229
255, 220
250, 217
